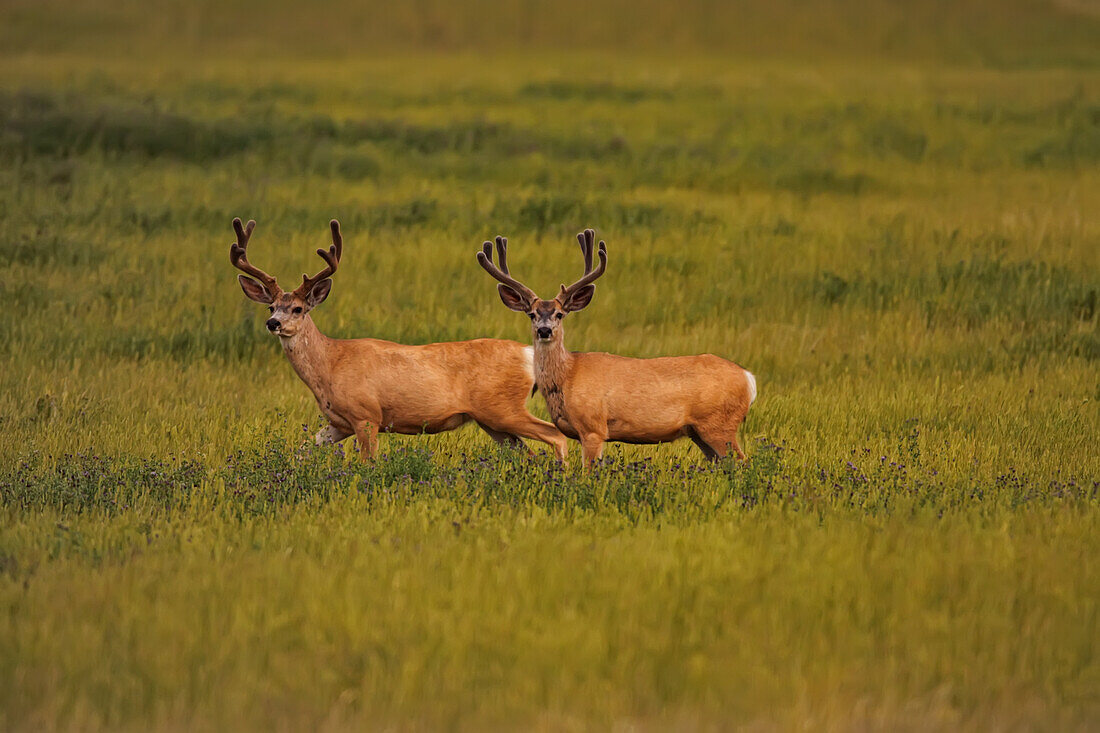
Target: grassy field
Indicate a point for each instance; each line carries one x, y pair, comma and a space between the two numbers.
889, 213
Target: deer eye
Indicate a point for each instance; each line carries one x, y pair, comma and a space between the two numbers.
298, 309
531, 316
559, 316
271, 309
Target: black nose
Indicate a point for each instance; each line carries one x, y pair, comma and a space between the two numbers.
543, 332
272, 324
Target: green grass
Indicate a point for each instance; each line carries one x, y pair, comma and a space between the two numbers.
887, 213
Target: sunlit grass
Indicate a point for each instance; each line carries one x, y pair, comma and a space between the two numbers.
906, 253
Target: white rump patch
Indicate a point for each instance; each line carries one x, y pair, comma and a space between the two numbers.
752, 386
529, 361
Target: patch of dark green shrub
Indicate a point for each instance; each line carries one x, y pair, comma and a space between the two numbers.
44, 124
593, 91
891, 137
824, 180
46, 249
561, 213
84, 482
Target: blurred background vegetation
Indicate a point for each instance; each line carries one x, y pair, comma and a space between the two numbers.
1007, 34
886, 210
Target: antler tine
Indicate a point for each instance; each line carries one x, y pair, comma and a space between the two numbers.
502, 253
239, 257
337, 239
331, 256
243, 233
485, 259
585, 238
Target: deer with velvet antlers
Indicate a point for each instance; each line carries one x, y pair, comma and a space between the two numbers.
366, 385
598, 397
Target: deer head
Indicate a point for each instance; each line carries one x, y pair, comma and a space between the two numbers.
287, 309
546, 315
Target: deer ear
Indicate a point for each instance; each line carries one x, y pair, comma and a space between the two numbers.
319, 292
579, 299
512, 299
254, 290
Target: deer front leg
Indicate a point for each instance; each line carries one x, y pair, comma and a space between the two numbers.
531, 427
592, 448
330, 434
367, 435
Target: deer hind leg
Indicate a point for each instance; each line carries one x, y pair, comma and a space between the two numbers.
508, 439
529, 426
710, 453
720, 440
367, 435
737, 447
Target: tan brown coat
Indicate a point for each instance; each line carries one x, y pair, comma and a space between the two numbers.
598, 397
363, 386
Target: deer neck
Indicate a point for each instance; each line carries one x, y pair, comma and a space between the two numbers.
552, 366
308, 352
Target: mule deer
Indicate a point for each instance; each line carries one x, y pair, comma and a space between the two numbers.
366, 385
597, 397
